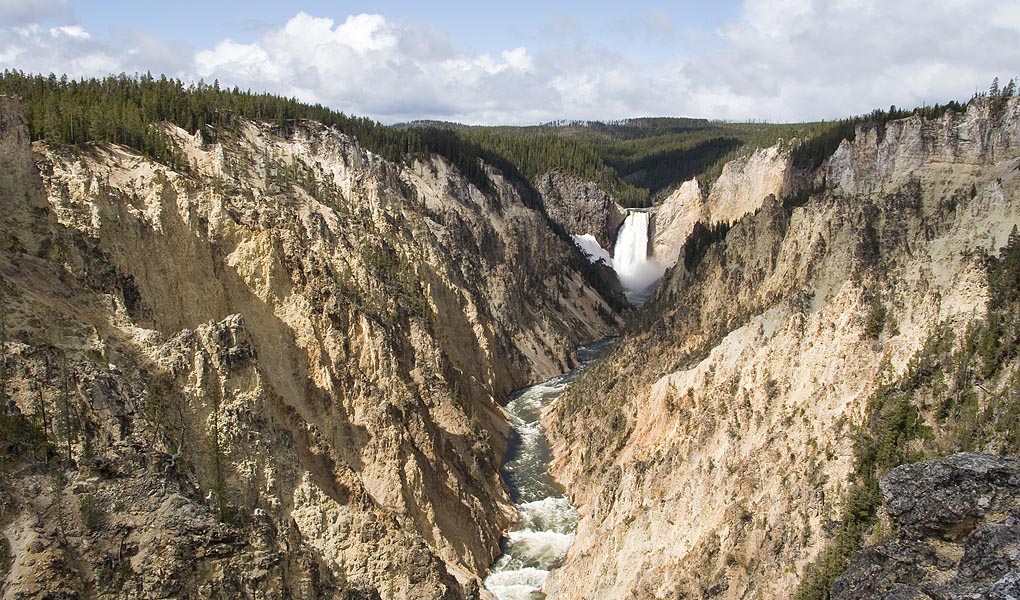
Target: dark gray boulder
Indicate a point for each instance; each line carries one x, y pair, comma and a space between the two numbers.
957, 522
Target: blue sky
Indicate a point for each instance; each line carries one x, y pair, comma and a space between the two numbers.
528, 61
476, 27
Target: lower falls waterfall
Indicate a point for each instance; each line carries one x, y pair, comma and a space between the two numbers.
638, 272
538, 543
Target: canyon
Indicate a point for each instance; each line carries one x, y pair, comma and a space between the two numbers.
279, 372
712, 452
282, 365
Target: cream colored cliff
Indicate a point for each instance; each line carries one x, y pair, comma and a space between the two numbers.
742, 187
709, 455
276, 372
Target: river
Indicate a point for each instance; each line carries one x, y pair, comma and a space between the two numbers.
538, 543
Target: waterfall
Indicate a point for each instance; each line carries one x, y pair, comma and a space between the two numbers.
638, 273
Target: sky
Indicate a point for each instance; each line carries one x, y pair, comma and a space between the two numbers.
527, 61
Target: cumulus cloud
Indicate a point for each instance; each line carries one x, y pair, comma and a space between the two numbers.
66, 49
805, 59
71, 50
780, 60
368, 65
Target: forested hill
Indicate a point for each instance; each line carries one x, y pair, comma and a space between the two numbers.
637, 161
121, 109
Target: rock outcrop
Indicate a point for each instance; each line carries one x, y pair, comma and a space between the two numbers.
957, 524
275, 372
742, 187
581, 208
709, 454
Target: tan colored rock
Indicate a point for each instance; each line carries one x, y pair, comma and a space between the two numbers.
278, 372
581, 207
742, 187
707, 454
674, 219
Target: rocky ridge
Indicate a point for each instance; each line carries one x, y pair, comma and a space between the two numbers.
277, 372
581, 208
957, 534
740, 189
710, 453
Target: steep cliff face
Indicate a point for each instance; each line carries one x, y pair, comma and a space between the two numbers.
709, 454
276, 372
742, 187
581, 208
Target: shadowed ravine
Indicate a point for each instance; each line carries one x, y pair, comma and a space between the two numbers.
538, 543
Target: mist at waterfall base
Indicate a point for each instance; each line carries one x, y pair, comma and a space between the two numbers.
539, 542
639, 274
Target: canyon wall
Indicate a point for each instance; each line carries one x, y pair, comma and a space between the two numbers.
741, 188
581, 208
274, 369
711, 453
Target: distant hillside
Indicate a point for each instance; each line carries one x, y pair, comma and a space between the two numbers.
638, 161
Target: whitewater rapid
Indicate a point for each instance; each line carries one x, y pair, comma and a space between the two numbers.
538, 543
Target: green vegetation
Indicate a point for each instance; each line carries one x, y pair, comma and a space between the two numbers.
637, 161
123, 109
536, 151
660, 153
92, 516
700, 239
875, 322
953, 397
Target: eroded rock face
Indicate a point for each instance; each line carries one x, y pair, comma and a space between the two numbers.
581, 207
742, 187
708, 454
957, 523
277, 372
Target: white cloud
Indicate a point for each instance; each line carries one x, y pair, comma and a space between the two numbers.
780, 60
369, 65
71, 50
803, 59
518, 59
71, 31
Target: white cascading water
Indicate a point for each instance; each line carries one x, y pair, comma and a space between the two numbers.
638, 272
539, 542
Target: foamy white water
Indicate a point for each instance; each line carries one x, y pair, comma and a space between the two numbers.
592, 249
538, 543
638, 272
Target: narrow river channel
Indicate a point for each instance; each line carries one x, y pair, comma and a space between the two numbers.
539, 542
